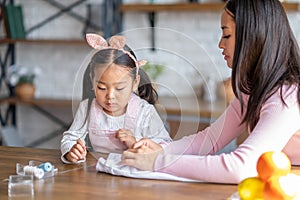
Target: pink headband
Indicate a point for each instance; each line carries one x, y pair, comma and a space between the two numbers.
115, 42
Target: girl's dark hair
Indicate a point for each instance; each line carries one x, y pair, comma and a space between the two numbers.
106, 57
266, 53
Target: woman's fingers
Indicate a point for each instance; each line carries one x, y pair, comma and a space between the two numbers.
128, 157
142, 142
139, 158
129, 154
145, 142
138, 144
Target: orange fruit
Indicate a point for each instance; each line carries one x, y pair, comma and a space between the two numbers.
282, 187
273, 163
251, 188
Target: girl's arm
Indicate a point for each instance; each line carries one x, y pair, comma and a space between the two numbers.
155, 128
77, 131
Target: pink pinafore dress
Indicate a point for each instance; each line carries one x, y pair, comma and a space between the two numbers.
105, 140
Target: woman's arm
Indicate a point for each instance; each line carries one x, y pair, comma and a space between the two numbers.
277, 124
198, 144
213, 138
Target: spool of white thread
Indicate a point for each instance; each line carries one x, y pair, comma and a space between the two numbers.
35, 171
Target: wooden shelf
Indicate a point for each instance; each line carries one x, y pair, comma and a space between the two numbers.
188, 7
152, 9
291, 6
185, 106
172, 7
39, 102
44, 41
173, 106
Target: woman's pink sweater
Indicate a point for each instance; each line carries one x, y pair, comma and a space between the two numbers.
278, 129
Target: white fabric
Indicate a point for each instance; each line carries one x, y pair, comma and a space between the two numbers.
111, 165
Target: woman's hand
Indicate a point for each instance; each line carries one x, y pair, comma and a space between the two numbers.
142, 155
77, 152
126, 136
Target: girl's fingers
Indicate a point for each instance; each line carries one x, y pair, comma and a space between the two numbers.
80, 146
79, 141
73, 157
77, 153
125, 136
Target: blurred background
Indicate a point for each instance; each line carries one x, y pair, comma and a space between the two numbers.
181, 36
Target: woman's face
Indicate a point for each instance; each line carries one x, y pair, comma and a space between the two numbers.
113, 86
227, 42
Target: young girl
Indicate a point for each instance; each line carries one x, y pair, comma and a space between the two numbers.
258, 44
115, 116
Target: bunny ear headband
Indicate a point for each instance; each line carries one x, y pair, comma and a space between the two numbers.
115, 42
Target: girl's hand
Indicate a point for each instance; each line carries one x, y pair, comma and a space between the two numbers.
126, 136
77, 152
143, 155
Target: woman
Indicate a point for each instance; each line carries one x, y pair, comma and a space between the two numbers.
259, 46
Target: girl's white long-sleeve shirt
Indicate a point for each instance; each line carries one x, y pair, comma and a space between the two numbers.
148, 124
278, 129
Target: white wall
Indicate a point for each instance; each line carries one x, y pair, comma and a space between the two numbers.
187, 43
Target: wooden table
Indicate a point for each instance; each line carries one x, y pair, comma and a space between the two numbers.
84, 182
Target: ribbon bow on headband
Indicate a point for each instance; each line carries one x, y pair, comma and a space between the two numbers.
115, 42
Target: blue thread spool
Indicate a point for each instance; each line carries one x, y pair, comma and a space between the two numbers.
46, 166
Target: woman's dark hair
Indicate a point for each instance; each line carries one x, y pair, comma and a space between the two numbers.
266, 53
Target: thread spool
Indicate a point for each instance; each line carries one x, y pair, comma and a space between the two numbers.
46, 166
32, 170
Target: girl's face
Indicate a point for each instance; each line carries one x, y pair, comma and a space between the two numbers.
113, 86
227, 42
